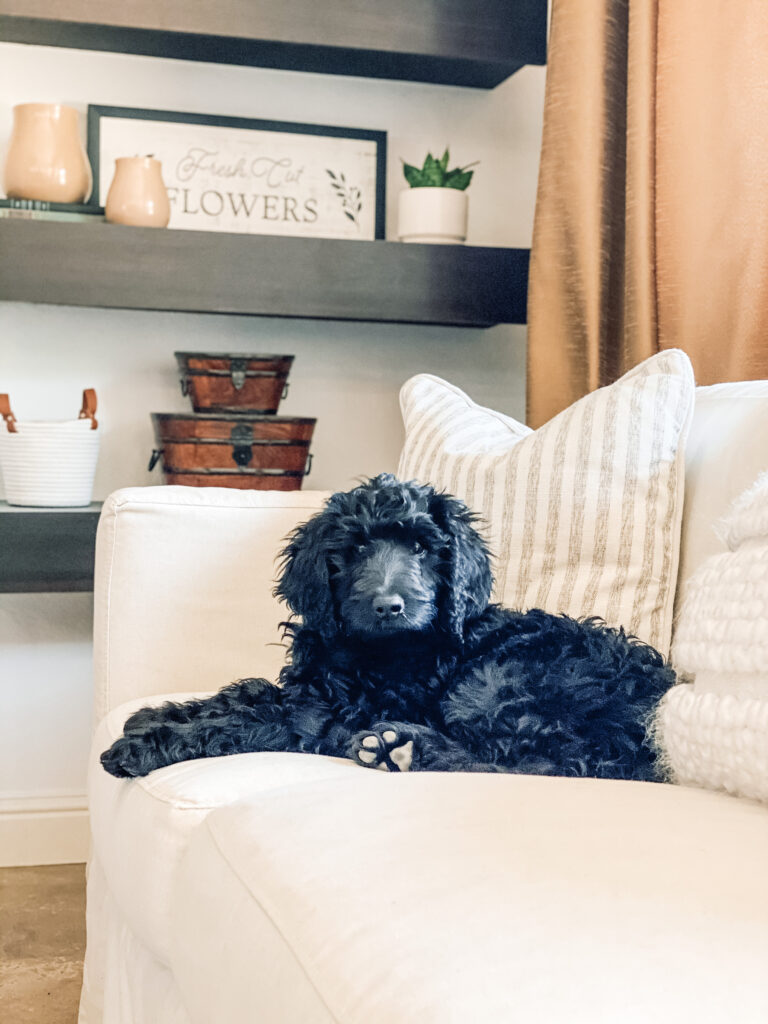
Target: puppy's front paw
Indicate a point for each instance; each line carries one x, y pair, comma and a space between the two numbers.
126, 758
385, 747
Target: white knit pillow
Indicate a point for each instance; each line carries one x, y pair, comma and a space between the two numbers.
584, 514
713, 731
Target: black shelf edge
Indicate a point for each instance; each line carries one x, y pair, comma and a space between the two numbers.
47, 549
109, 266
446, 42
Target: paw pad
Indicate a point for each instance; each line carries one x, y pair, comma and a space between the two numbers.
385, 750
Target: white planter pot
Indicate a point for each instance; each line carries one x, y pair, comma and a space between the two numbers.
436, 215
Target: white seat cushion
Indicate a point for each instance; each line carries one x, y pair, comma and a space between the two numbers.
437, 898
141, 827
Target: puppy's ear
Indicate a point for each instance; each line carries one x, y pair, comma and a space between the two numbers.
304, 583
469, 579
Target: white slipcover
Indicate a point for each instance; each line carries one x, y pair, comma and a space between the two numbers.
450, 899
282, 888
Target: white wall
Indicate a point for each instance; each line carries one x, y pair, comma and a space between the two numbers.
346, 374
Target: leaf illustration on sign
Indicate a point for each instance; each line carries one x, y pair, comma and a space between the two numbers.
349, 196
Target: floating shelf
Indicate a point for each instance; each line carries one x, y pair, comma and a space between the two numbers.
447, 42
105, 265
47, 549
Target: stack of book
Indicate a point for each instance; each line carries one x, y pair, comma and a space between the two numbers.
41, 209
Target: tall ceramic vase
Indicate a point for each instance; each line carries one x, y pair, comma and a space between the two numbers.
137, 194
46, 159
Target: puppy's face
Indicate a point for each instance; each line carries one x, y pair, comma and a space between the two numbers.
385, 558
388, 581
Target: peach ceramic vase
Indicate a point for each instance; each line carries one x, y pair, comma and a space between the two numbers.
46, 159
137, 194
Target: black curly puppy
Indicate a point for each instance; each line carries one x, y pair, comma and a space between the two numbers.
399, 661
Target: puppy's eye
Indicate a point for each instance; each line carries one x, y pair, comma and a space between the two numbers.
417, 548
360, 548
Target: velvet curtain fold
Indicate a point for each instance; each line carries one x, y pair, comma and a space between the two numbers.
651, 227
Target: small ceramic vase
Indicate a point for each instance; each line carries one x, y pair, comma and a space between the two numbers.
46, 159
137, 194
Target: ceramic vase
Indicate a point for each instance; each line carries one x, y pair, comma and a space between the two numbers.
46, 159
435, 215
137, 195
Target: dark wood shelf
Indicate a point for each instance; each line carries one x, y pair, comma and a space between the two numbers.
47, 549
106, 265
448, 42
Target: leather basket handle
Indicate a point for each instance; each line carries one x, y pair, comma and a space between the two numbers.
88, 411
5, 412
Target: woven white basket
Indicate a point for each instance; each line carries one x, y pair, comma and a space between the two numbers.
49, 463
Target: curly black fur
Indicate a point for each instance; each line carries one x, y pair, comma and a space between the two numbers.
398, 660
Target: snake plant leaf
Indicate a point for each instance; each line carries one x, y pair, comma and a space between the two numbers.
458, 179
433, 172
412, 175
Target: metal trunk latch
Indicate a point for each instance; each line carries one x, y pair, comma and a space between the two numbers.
241, 437
237, 368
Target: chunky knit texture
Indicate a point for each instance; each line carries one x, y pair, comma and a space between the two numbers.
713, 731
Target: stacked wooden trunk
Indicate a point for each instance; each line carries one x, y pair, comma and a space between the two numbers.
235, 437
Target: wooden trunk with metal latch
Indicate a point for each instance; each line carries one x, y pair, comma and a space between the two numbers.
236, 382
245, 451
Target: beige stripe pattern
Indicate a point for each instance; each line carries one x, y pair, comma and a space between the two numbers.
584, 514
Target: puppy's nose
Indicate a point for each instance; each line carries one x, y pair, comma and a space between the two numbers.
388, 606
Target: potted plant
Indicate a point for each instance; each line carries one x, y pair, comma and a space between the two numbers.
434, 208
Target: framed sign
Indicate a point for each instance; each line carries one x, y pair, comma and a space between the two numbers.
258, 177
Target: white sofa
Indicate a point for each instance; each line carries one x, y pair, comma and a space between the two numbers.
286, 888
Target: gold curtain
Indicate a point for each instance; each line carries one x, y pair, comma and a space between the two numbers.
651, 226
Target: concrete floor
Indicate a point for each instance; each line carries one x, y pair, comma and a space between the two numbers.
42, 942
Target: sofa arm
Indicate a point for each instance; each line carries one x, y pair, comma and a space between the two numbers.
183, 588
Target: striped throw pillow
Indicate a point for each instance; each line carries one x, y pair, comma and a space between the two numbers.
584, 514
